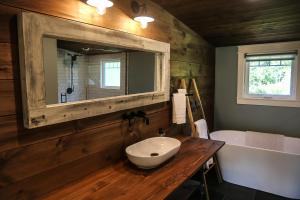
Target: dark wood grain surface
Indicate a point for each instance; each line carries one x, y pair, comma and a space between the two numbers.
124, 181
237, 22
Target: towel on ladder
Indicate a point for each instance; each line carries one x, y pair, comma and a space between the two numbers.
201, 127
179, 107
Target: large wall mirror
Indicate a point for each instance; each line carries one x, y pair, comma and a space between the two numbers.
76, 71
72, 70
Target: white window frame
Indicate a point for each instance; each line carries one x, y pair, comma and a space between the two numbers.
268, 96
243, 97
102, 73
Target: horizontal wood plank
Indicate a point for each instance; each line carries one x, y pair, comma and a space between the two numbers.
13, 135
9, 132
238, 22
8, 61
12, 127
45, 155
186, 69
8, 105
37, 185
8, 24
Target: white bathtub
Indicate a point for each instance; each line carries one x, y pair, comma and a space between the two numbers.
262, 161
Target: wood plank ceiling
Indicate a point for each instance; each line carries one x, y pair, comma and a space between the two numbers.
236, 22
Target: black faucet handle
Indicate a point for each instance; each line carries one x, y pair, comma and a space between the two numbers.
129, 117
141, 113
133, 115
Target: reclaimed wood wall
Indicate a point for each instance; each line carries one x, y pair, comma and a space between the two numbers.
34, 162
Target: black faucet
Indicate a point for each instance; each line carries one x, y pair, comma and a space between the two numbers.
142, 114
133, 115
129, 117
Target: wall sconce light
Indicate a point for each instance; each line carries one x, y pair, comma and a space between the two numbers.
140, 11
100, 5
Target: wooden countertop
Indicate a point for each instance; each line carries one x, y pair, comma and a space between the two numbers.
124, 181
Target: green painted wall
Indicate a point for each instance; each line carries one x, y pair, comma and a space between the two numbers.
229, 115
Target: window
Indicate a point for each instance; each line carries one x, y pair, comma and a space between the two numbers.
111, 74
270, 76
267, 74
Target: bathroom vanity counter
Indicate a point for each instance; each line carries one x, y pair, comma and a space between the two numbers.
124, 181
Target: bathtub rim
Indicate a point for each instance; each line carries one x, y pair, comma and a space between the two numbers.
251, 147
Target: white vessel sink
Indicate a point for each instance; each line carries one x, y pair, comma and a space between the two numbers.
152, 152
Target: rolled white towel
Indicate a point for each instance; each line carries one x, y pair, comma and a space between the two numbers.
179, 108
201, 127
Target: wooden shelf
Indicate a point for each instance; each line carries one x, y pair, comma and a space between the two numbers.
125, 181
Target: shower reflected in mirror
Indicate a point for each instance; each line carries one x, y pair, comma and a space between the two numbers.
77, 71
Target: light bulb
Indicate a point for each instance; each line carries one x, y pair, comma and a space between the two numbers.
144, 20
100, 5
144, 24
101, 10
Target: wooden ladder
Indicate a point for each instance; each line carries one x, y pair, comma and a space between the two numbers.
215, 164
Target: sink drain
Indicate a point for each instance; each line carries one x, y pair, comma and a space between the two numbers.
154, 154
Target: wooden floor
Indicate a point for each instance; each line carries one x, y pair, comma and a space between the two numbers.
125, 181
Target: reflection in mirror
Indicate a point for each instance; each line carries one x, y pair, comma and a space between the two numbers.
76, 71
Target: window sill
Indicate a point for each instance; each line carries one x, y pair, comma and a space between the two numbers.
269, 102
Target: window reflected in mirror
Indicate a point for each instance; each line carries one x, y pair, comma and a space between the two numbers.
76, 71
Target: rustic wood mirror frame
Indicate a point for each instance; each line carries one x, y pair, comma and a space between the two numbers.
32, 27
